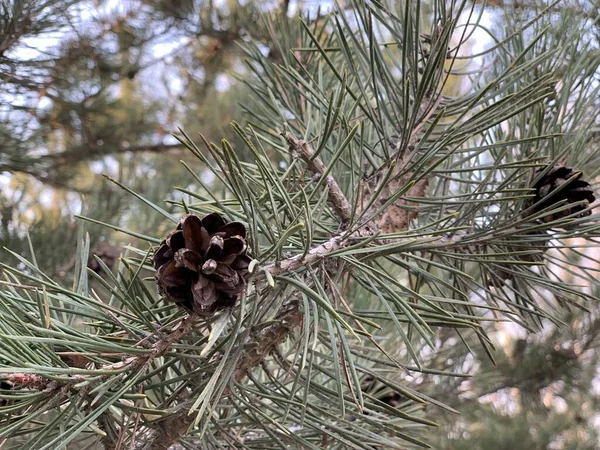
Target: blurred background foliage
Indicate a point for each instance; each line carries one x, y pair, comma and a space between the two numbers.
96, 87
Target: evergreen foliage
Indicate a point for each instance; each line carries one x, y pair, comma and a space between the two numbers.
389, 178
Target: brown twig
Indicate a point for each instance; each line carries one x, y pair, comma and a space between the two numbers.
130, 364
269, 338
315, 164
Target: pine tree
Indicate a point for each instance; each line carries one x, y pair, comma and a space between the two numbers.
392, 200
87, 89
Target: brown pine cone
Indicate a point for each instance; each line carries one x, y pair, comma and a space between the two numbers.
203, 265
381, 392
576, 190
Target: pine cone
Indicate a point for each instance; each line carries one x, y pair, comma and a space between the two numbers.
576, 190
381, 392
108, 253
203, 265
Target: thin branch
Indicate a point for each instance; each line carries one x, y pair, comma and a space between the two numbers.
313, 256
269, 338
315, 164
76, 155
175, 425
46, 169
130, 364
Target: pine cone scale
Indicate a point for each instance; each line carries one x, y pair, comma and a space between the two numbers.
234, 246
195, 236
188, 259
215, 248
228, 288
163, 255
176, 241
178, 294
171, 275
204, 292
241, 263
234, 229
213, 222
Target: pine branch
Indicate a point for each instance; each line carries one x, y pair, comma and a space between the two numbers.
384, 205
337, 198
169, 431
131, 364
94, 152
289, 317
177, 424
47, 168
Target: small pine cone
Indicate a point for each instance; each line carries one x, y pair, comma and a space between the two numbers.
203, 265
577, 190
108, 253
370, 386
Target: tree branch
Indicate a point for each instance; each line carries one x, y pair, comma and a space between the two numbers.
131, 364
177, 424
170, 430
93, 152
315, 164
47, 168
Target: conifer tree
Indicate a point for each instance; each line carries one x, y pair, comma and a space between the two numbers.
391, 200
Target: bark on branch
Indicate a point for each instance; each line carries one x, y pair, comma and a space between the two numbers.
133, 363
336, 196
